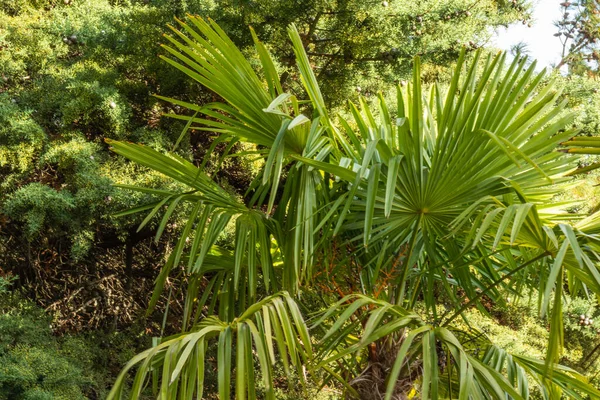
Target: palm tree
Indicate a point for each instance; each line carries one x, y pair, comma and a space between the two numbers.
443, 199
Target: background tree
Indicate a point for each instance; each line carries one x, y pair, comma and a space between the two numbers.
361, 45
579, 32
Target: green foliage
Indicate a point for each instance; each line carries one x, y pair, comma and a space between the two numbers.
15, 7
37, 364
583, 95
361, 46
32, 365
21, 138
5, 283
72, 74
39, 206
33, 373
68, 206
450, 199
329, 193
77, 72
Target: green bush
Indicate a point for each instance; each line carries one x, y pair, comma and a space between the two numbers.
32, 365
37, 364
21, 138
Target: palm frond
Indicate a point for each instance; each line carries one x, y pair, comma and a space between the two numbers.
181, 359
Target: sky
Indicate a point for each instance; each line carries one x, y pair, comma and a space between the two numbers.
541, 43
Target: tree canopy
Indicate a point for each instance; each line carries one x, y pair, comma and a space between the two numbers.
579, 32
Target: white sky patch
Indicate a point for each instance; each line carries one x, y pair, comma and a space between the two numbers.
542, 45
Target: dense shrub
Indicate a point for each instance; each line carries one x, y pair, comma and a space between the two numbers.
35, 364
71, 75
32, 364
